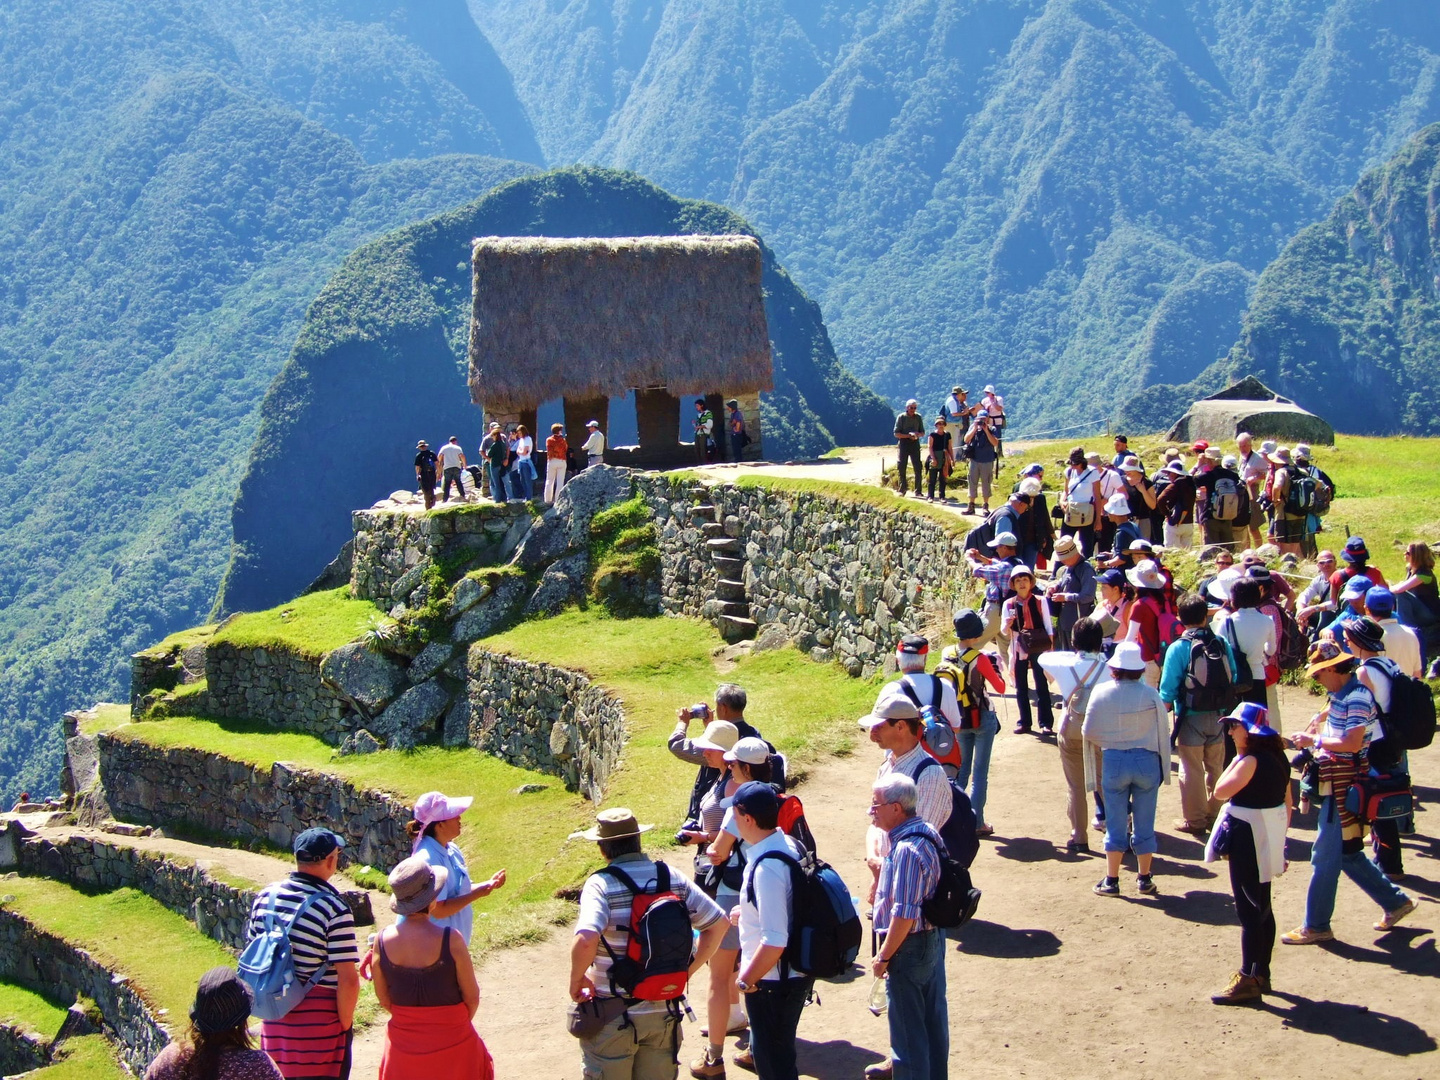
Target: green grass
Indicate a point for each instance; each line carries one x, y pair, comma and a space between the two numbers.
85, 1057
311, 625
107, 717
127, 932
26, 1009
182, 639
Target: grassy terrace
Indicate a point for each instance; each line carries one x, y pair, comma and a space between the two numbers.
126, 931
26, 1009
654, 665
311, 625
87, 1057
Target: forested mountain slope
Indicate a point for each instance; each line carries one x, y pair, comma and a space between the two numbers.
381, 360
1072, 197
166, 214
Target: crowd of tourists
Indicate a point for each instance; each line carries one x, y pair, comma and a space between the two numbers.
1108, 658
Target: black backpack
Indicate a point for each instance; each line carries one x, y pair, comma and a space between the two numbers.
1409, 724
955, 899
825, 930
958, 832
1209, 684
1300, 497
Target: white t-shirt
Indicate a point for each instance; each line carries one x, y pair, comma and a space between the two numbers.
1080, 485
767, 921
523, 446
1254, 633
451, 456
1402, 645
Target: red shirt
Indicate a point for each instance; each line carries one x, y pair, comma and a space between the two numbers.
556, 448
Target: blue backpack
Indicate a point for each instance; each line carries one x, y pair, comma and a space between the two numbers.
825, 928
267, 965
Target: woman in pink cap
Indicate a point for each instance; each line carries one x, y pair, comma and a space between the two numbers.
433, 831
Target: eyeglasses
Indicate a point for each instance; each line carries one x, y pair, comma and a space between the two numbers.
876, 806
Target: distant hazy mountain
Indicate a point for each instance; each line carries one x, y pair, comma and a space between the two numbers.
167, 211
1071, 197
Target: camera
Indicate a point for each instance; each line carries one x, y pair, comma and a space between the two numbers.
699, 711
690, 826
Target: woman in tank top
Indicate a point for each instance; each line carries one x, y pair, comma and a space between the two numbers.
425, 979
1250, 832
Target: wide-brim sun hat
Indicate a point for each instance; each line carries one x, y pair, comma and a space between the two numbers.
1355, 550
1021, 571
1030, 486
1366, 634
1301, 452
1066, 546
1127, 657
414, 885
1219, 590
1131, 464
1281, 456
1117, 505
968, 624
1146, 575
719, 735
1326, 655
617, 823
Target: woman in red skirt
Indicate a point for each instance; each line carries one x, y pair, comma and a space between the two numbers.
424, 978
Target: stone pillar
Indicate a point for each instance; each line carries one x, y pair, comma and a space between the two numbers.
579, 412
750, 409
657, 416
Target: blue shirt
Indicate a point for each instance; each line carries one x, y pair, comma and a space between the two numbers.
457, 884
1176, 671
908, 875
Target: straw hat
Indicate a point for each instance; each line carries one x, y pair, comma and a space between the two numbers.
617, 823
1326, 655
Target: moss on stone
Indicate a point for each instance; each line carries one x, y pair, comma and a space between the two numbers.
85, 1057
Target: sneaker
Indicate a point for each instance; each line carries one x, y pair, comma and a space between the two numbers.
705, 1067
1264, 981
1097, 823
1393, 917
1303, 935
881, 1070
745, 1059
1022, 729
1076, 847
1242, 989
1107, 886
1145, 883
1047, 733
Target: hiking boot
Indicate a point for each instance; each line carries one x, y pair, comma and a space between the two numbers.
1242, 990
1145, 883
745, 1059
1303, 935
1393, 917
881, 1070
1181, 825
1075, 847
1264, 981
705, 1067
1107, 886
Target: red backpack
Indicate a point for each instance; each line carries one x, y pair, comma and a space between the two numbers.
655, 965
793, 824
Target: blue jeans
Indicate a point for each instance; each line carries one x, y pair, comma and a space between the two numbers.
497, 482
919, 1018
975, 746
1130, 780
774, 1010
521, 484
1328, 858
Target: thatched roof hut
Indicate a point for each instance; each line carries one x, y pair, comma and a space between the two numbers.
1250, 405
590, 318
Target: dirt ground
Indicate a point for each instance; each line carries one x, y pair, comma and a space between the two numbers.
1050, 980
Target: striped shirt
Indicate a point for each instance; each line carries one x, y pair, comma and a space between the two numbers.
326, 932
933, 800
605, 910
996, 575
908, 875
1353, 705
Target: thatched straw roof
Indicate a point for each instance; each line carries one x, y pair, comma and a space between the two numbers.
1250, 405
593, 317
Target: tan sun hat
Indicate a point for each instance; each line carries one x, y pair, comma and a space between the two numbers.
1065, 545
617, 823
414, 885
718, 735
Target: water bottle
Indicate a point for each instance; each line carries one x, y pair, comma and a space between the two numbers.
879, 1000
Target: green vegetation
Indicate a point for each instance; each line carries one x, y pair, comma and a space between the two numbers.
127, 932
107, 717
310, 625
85, 1057
26, 1009
624, 557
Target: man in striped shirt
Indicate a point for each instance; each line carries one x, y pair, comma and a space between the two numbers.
911, 958
313, 1039
894, 726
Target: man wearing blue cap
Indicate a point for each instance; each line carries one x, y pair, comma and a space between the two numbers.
313, 1039
1402, 644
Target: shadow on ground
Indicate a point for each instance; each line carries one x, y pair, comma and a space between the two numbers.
981, 938
1355, 1024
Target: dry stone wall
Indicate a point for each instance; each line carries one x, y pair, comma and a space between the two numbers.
546, 718
35, 958
276, 686
842, 580
182, 786
21, 1051
393, 545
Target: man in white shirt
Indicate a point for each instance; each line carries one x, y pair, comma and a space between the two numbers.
1402, 644
595, 445
1317, 595
910, 657
774, 994
452, 463
1253, 467
956, 410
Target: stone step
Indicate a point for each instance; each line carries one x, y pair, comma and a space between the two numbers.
735, 628
726, 546
703, 512
735, 607
712, 530
726, 589
731, 569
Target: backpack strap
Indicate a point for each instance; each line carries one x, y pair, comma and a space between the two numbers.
1082, 683
305, 905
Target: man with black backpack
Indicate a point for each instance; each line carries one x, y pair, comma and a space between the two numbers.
1197, 684
911, 953
632, 956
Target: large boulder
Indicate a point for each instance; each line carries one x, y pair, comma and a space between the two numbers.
369, 680
587, 494
491, 613
431, 659
411, 719
548, 539
562, 583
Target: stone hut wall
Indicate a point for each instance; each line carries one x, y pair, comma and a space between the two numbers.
182, 786
393, 546
35, 958
546, 718
275, 686
842, 580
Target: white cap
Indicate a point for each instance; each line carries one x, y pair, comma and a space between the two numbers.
1005, 539
751, 751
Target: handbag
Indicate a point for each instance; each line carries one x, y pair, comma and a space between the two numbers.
1034, 639
1219, 841
586, 1019
1078, 515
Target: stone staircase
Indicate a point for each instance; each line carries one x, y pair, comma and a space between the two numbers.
729, 607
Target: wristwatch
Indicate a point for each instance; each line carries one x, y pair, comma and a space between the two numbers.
743, 986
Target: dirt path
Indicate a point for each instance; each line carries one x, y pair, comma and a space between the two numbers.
1052, 981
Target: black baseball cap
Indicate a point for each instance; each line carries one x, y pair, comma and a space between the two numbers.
312, 845
756, 799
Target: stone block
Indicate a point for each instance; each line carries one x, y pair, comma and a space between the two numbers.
562, 582
587, 494
431, 659
468, 592
548, 539
492, 612
359, 742
368, 679
411, 718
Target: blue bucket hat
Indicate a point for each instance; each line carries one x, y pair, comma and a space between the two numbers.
1251, 717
